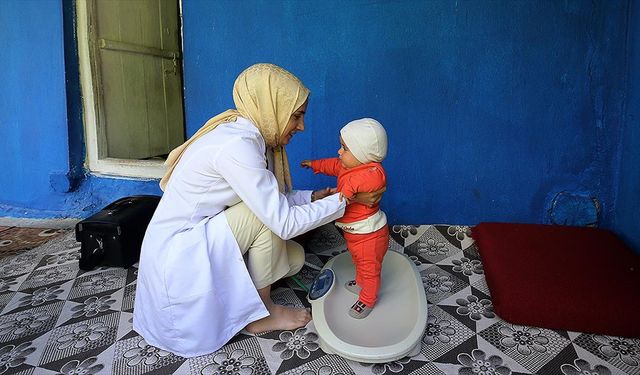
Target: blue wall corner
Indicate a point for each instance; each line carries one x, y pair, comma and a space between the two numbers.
62, 182
73, 94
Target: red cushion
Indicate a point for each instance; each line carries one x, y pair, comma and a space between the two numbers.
561, 277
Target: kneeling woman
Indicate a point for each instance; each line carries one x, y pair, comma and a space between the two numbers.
227, 197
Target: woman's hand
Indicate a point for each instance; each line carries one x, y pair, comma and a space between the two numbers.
368, 199
322, 193
306, 164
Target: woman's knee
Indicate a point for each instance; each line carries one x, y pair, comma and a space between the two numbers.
240, 216
295, 254
245, 226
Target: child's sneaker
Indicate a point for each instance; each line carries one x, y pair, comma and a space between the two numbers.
352, 287
359, 310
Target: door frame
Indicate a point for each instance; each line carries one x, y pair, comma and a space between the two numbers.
96, 162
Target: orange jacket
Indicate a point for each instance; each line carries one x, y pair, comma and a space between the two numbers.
364, 178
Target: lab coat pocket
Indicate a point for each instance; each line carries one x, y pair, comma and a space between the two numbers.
188, 269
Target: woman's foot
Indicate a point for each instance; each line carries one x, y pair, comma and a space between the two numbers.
280, 318
359, 310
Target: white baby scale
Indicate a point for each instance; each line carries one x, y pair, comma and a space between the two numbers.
395, 326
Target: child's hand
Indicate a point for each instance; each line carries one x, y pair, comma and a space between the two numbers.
306, 164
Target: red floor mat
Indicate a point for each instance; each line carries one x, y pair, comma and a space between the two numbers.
560, 277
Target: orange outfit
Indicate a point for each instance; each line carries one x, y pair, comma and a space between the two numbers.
367, 249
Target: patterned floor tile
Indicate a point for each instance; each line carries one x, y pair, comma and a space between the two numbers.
529, 346
443, 333
243, 356
432, 246
81, 338
619, 352
108, 280
29, 323
457, 235
325, 365
57, 319
427, 369
134, 356
402, 365
14, 358
440, 284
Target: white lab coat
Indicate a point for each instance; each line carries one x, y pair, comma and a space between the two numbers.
193, 290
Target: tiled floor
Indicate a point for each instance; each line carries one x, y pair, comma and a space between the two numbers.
57, 319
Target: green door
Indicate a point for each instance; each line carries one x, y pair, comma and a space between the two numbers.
136, 49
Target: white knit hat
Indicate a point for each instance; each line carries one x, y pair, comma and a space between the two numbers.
366, 139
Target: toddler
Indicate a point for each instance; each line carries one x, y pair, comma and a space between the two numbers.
363, 146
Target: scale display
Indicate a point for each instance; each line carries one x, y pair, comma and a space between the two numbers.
321, 284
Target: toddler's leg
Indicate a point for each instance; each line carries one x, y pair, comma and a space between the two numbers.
352, 285
368, 253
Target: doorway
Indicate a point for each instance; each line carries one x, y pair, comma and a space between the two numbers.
131, 74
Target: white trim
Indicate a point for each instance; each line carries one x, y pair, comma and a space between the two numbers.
129, 168
93, 162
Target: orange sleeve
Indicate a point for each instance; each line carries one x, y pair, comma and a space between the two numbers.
330, 166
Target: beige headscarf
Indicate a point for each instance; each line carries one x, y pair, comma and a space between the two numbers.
267, 95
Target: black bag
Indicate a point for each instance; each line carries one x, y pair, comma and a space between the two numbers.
113, 236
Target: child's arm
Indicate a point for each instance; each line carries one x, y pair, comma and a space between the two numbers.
330, 166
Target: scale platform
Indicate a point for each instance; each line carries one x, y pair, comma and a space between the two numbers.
394, 328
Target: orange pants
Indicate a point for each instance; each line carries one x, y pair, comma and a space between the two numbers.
367, 252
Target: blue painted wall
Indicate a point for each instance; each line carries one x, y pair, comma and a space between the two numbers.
33, 122
492, 108
41, 143
627, 214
